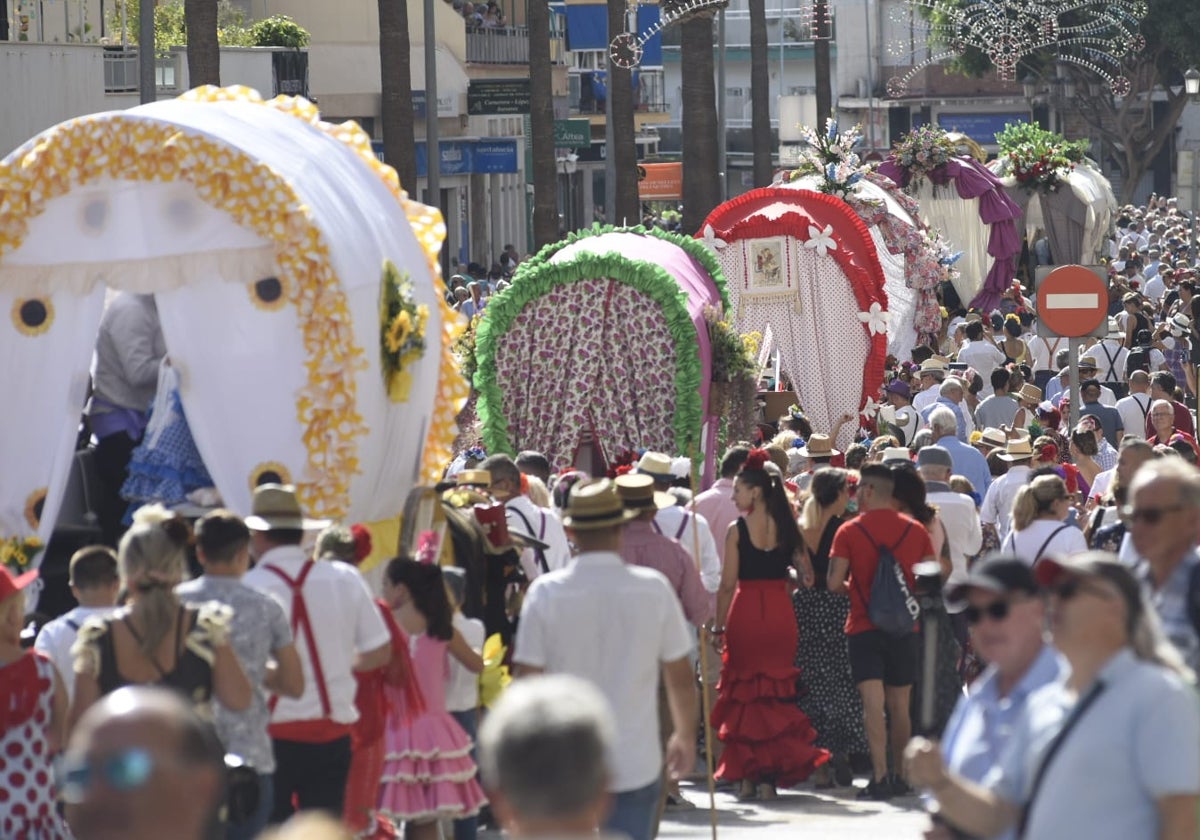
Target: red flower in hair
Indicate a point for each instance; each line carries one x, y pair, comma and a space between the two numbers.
1049, 452
756, 460
362, 542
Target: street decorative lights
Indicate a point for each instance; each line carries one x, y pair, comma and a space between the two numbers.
1191, 82
1095, 35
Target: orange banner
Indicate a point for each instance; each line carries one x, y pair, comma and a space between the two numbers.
660, 181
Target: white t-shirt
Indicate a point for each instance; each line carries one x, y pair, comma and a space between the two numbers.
615, 626
1028, 544
521, 512
57, 637
985, 357
1133, 410
345, 622
670, 520
462, 686
1044, 349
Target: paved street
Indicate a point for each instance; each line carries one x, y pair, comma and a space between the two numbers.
796, 813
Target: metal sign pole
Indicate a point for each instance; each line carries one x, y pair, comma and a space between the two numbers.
1073, 395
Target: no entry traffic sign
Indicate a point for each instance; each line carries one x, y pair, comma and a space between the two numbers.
1072, 301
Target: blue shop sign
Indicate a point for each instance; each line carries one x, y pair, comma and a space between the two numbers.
462, 157
494, 156
982, 128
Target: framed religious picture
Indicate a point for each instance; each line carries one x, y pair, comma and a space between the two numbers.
768, 266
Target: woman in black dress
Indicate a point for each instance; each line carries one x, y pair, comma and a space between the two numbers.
828, 695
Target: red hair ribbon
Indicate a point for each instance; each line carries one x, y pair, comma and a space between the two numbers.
362, 542
1049, 452
756, 460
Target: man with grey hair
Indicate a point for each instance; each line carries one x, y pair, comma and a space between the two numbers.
968, 461
1164, 526
964, 534
950, 395
544, 753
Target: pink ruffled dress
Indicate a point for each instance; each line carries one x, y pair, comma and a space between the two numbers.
428, 772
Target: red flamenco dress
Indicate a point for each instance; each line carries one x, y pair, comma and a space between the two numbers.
767, 738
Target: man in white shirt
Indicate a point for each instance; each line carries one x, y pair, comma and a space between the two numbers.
621, 628
1135, 408
1043, 350
964, 534
688, 528
524, 517
931, 374
998, 503
981, 354
338, 631
95, 585
1110, 355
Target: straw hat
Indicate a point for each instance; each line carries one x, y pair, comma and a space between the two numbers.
897, 453
474, 478
594, 505
275, 507
819, 446
1030, 393
994, 438
637, 493
1019, 449
655, 464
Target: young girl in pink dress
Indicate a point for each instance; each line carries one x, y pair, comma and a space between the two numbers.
428, 774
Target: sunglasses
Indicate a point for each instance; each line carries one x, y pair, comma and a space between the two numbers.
125, 771
996, 611
1149, 515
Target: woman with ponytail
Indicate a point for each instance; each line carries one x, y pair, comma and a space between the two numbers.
768, 740
155, 639
1039, 526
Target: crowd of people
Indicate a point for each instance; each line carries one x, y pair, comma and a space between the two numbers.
1020, 589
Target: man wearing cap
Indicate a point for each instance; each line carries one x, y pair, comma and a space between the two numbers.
981, 354
901, 418
931, 375
960, 519
1164, 527
969, 462
998, 503
1109, 753
525, 517
619, 627
1000, 603
1001, 407
687, 528
1109, 418
338, 631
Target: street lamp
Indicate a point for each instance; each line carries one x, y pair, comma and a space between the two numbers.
1191, 82
1029, 86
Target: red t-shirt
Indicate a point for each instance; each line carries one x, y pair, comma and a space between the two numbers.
886, 527
1183, 421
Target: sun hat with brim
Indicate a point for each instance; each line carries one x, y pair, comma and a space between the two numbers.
11, 584
1179, 324
1019, 449
1114, 329
655, 464
895, 454
637, 493
474, 478
1049, 571
933, 365
1088, 363
276, 508
994, 438
818, 446
1002, 574
595, 505
1030, 393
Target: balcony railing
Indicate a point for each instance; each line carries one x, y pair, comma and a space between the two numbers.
506, 45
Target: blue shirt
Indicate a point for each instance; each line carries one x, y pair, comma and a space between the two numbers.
968, 462
961, 432
1170, 601
982, 723
1138, 742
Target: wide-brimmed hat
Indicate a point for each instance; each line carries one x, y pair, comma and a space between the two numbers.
11, 584
1002, 574
594, 505
1018, 449
1088, 363
474, 478
1030, 393
896, 453
993, 437
275, 507
1179, 324
818, 446
1114, 329
637, 493
934, 366
657, 465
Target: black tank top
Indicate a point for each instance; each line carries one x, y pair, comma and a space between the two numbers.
820, 557
191, 676
757, 564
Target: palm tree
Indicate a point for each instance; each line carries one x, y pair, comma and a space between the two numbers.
701, 179
620, 92
396, 111
203, 51
821, 36
541, 119
760, 104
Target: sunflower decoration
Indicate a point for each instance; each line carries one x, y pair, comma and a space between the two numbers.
18, 553
401, 330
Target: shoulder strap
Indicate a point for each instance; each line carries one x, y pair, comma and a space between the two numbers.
683, 523
301, 623
1049, 539
1112, 363
1145, 408
1193, 602
537, 552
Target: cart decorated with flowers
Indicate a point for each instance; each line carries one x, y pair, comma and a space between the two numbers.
1063, 194
604, 343
295, 283
803, 264
915, 259
963, 199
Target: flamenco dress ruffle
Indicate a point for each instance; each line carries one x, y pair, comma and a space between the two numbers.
766, 737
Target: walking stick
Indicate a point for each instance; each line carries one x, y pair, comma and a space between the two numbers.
704, 649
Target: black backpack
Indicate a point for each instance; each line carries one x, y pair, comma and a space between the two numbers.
891, 606
1138, 359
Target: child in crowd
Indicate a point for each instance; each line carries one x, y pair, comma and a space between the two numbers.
462, 685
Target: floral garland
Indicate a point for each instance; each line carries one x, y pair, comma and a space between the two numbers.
401, 331
1039, 160
18, 553
923, 150
831, 157
734, 374
464, 349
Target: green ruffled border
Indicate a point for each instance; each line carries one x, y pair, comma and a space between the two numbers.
537, 276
